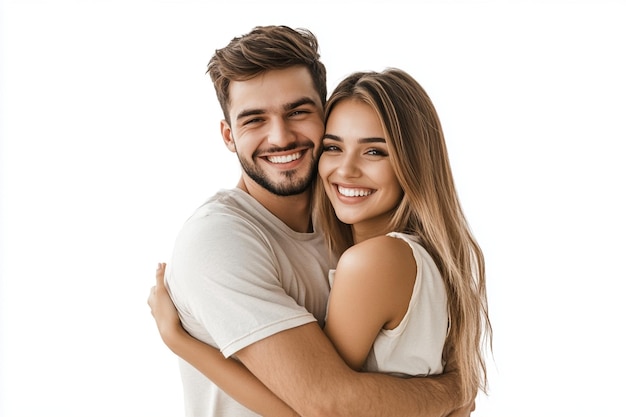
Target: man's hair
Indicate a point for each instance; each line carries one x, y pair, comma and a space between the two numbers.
265, 48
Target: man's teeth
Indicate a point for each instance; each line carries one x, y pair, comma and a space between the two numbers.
354, 192
284, 158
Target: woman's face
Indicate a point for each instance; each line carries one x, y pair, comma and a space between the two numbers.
356, 171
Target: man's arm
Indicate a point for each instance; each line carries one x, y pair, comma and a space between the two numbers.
301, 366
231, 376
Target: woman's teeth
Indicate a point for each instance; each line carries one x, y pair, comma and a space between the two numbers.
354, 192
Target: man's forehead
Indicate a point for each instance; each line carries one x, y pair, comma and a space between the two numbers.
274, 89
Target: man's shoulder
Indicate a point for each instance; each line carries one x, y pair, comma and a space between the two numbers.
225, 216
221, 231
225, 200
231, 205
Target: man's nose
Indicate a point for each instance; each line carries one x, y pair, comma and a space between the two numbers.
280, 133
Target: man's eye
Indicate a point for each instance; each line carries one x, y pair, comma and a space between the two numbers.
252, 121
299, 112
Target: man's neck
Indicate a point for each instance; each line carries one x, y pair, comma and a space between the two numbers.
294, 210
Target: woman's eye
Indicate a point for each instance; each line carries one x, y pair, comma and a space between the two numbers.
330, 148
376, 152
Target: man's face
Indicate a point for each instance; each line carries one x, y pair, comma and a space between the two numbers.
276, 129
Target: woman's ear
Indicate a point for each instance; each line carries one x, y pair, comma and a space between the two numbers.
227, 136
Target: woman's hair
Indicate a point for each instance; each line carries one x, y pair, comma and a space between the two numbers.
429, 208
265, 48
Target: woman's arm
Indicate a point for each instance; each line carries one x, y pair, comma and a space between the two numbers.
230, 375
371, 291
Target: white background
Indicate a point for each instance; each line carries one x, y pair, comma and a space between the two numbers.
109, 140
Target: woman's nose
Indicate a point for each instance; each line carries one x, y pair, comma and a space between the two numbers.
348, 166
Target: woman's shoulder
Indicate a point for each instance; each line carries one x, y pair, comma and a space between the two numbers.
388, 245
377, 255
381, 271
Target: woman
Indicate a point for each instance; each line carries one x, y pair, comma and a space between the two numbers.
409, 287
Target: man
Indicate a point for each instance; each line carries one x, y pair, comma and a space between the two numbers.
249, 271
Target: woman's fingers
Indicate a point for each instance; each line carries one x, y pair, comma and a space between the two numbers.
160, 283
160, 274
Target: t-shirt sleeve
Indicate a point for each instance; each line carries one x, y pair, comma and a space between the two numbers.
224, 275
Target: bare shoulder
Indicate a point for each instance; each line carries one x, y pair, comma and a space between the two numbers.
378, 272
386, 255
378, 251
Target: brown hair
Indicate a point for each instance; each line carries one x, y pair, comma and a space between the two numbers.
429, 208
265, 48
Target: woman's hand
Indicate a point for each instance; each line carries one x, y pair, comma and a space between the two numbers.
164, 311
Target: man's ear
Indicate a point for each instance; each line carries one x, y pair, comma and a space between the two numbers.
227, 136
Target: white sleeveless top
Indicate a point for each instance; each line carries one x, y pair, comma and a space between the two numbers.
415, 346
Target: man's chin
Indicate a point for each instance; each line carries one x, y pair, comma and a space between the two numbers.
283, 184
289, 188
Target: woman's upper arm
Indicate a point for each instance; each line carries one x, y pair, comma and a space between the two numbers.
365, 295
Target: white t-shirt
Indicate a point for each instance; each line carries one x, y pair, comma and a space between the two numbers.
415, 346
238, 275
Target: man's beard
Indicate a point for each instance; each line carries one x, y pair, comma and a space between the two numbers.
289, 186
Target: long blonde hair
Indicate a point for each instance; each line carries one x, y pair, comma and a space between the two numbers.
429, 209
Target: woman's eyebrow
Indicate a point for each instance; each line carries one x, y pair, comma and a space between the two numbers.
333, 137
361, 140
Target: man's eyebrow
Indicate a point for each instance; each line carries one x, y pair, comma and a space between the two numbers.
301, 102
361, 140
251, 112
